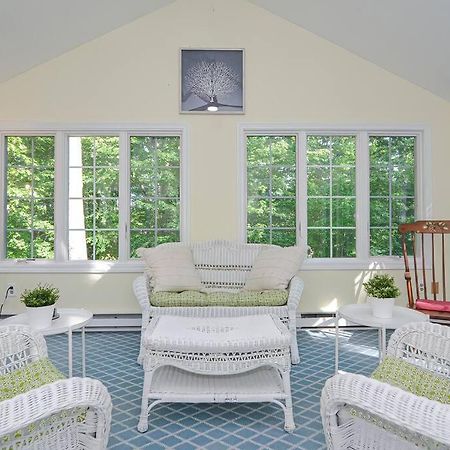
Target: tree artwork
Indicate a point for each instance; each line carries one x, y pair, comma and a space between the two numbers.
212, 80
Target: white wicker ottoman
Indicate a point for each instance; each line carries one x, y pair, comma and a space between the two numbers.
217, 360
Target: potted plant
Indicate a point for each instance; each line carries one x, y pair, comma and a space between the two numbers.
382, 292
39, 304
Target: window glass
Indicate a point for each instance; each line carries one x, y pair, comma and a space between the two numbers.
271, 189
392, 191
30, 227
331, 189
93, 197
154, 191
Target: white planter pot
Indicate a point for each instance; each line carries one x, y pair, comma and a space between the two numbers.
40, 317
382, 307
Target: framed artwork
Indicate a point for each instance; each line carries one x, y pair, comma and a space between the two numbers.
212, 81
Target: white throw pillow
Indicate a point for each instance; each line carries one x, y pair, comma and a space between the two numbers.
171, 269
274, 267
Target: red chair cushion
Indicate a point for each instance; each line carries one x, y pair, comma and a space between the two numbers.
433, 305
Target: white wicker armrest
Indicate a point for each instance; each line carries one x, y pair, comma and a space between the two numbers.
143, 297
141, 292
15, 339
295, 289
418, 414
40, 403
423, 341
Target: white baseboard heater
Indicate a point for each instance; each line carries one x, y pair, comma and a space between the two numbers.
130, 322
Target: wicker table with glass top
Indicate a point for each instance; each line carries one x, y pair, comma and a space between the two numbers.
217, 360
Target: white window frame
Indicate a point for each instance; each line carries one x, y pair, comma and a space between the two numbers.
363, 260
61, 132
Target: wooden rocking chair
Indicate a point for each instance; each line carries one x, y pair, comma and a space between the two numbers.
424, 253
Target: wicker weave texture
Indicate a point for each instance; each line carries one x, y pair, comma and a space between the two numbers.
68, 414
423, 344
224, 266
216, 360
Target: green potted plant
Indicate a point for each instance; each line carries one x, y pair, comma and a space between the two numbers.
40, 303
382, 292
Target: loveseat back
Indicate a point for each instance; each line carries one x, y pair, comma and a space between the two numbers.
223, 265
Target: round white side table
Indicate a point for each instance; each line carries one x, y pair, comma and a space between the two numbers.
69, 319
361, 314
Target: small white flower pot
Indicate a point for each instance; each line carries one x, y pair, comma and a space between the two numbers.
41, 317
382, 307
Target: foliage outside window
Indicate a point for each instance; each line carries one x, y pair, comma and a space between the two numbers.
154, 191
332, 191
30, 197
93, 197
271, 189
392, 191
331, 181
115, 192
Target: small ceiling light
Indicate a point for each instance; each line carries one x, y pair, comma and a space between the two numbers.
212, 108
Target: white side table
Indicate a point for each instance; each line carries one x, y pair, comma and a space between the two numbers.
361, 314
69, 319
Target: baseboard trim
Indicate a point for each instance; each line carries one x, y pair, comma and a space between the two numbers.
133, 321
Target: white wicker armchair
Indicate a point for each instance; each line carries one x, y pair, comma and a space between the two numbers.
423, 344
73, 413
223, 265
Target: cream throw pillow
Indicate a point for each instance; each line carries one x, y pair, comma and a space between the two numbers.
171, 269
274, 268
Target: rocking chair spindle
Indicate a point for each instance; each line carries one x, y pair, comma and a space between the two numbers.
430, 276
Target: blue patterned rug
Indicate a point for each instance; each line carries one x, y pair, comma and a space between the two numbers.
111, 358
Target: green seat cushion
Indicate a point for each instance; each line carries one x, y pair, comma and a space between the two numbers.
398, 372
421, 382
28, 377
39, 433
243, 298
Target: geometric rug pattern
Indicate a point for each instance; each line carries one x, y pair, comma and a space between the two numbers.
111, 358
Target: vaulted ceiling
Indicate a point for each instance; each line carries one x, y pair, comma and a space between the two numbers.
33, 32
410, 38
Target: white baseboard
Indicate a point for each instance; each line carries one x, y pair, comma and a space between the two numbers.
133, 321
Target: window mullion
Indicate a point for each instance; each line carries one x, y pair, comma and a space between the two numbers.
362, 196
61, 197
124, 196
302, 188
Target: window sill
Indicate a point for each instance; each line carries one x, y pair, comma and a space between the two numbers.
381, 263
311, 264
71, 267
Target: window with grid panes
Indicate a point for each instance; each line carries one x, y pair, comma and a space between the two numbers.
331, 190
154, 191
93, 197
392, 191
29, 197
271, 189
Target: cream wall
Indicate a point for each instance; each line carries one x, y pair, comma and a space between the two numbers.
292, 76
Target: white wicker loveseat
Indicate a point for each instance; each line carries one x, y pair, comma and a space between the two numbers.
72, 413
404, 420
223, 266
